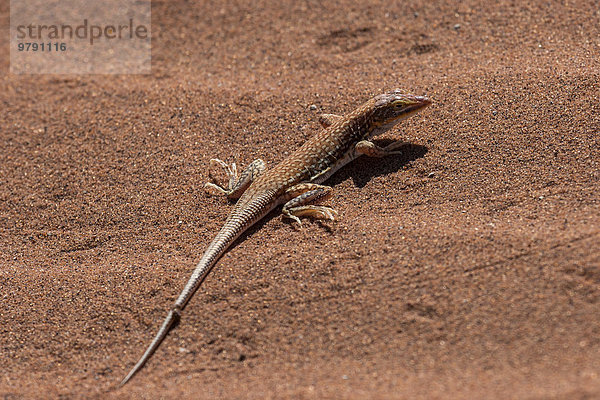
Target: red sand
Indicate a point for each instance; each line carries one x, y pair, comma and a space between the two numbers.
469, 268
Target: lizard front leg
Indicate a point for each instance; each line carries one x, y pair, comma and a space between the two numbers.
326, 120
237, 184
370, 149
303, 198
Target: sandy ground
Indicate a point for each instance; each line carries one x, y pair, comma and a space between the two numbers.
467, 268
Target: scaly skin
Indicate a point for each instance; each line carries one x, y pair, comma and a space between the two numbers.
295, 183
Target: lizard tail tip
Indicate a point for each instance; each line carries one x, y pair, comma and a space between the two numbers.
128, 377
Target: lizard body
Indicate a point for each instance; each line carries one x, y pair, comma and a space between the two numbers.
295, 183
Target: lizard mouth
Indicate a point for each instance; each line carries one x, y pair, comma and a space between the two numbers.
415, 104
418, 103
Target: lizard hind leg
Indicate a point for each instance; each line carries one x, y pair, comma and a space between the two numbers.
304, 198
237, 184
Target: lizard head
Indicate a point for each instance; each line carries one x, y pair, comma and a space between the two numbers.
392, 107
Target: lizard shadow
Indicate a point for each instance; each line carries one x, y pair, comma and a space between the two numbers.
365, 168
361, 171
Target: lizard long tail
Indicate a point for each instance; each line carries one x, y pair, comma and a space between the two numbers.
167, 325
242, 217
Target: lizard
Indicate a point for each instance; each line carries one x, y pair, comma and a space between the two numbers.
295, 183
